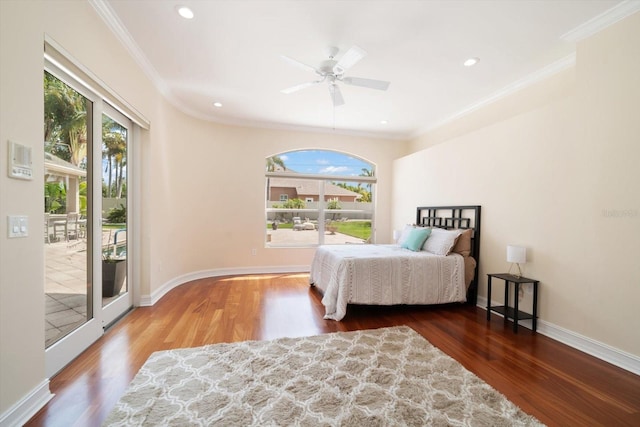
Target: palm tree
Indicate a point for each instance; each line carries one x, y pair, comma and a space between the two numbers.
114, 151
65, 121
274, 161
121, 164
369, 173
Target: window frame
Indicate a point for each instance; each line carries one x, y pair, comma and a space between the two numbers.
321, 210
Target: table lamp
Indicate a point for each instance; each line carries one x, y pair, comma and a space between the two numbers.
516, 255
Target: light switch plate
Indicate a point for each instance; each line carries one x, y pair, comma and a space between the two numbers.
17, 226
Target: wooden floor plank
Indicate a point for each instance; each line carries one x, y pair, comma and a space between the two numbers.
557, 384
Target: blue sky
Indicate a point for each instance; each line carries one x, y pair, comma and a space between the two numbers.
324, 162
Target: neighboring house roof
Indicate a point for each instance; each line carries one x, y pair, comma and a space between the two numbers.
312, 187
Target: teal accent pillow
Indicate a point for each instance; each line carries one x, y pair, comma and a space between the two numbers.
416, 239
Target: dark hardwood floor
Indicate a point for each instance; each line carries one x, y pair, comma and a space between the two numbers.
555, 383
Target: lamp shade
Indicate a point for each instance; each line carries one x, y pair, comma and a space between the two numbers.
516, 254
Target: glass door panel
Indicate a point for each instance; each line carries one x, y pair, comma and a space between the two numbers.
116, 295
67, 243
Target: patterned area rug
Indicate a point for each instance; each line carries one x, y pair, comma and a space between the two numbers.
389, 376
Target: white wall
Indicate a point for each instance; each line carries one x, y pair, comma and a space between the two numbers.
21, 333
207, 197
188, 167
555, 169
23, 25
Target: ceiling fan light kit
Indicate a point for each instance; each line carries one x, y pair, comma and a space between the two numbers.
332, 72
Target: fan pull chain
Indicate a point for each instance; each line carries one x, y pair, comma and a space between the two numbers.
334, 118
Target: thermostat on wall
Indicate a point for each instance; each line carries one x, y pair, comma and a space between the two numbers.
20, 165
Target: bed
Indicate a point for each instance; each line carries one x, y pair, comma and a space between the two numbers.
439, 270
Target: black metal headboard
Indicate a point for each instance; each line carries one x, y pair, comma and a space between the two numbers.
456, 217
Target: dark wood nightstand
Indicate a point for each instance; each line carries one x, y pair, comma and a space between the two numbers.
513, 312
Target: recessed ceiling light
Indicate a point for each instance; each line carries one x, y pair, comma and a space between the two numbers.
185, 12
471, 62
384, 122
217, 104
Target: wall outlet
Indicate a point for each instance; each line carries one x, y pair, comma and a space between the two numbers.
254, 252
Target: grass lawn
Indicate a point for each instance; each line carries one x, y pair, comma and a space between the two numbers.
358, 229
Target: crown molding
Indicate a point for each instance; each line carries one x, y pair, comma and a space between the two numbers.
544, 73
602, 21
104, 10
594, 25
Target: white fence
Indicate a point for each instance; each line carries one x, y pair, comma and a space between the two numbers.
348, 210
109, 203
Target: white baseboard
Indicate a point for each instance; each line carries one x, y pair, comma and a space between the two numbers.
585, 344
27, 407
149, 300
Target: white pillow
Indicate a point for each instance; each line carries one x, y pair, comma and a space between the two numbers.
441, 241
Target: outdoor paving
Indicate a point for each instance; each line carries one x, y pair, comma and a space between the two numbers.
284, 236
66, 287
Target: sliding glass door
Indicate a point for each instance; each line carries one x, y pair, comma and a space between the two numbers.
86, 205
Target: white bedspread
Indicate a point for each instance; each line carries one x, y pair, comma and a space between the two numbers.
385, 275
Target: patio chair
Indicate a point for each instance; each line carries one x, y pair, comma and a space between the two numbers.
55, 224
73, 226
82, 226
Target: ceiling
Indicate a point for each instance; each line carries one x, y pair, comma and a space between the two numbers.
230, 53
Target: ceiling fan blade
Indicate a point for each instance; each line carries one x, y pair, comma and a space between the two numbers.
298, 64
369, 83
349, 59
336, 95
296, 88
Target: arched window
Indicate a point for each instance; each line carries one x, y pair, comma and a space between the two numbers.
316, 197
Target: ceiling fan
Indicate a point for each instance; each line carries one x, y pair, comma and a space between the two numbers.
332, 72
